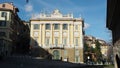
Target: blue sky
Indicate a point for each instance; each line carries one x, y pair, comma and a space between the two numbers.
92, 11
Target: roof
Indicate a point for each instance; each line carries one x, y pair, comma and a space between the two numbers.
10, 6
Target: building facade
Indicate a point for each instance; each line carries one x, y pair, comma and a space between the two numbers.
91, 42
104, 48
60, 35
11, 27
113, 24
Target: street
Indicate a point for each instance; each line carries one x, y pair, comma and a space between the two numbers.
34, 62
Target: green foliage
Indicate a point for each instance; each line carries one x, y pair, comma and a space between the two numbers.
98, 51
86, 48
92, 49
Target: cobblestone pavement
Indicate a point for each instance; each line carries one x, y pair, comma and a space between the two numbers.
30, 62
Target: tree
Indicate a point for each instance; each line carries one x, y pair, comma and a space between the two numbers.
86, 48
98, 51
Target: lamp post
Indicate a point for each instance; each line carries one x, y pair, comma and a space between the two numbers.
88, 59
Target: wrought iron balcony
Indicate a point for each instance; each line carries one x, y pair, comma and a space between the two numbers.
56, 46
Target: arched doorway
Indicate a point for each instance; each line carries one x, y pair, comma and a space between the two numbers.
56, 54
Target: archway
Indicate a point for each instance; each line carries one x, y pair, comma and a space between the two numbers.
56, 54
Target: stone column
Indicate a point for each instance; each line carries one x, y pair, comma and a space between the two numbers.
40, 33
51, 35
43, 35
31, 34
68, 42
61, 34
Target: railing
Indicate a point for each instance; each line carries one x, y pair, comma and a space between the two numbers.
57, 46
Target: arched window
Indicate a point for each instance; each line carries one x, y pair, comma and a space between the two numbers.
56, 54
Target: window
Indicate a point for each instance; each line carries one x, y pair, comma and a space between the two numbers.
77, 52
56, 26
2, 23
64, 41
47, 41
1, 43
36, 39
77, 58
47, 34
65, 26
65, 53
36, 34
10, 34
76, 27
76, 34
47, 26
3, 14
56, 34
76, 41
56, 41
2, 34
56, 54
36, 26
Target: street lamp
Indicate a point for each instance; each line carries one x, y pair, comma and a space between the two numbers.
88, 59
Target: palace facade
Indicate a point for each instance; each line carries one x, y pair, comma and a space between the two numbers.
60, 35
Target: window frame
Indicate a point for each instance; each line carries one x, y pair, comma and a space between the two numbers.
65, 53
36, 26
3, 14
76, 41
2, 34
47, 41
64, 41
47, 26
3, 23
65, 26
56, 26
76, 27
35, 33
56, 40
77, 59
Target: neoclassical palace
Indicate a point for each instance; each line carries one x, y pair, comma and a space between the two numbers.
60, 35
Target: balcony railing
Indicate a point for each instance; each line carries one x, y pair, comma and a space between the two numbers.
56, 46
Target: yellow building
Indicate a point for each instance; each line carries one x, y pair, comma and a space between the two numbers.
104, 48
60, 35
